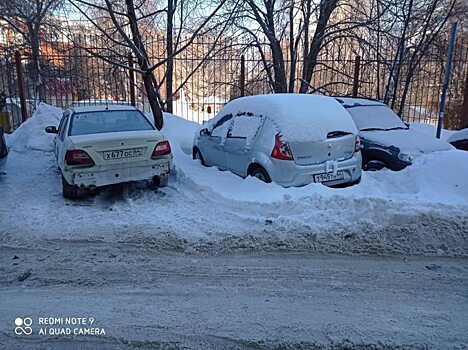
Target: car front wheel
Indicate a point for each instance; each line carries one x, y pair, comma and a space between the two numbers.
197, 155
374, 165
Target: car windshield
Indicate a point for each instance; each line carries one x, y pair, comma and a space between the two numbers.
108, 121
375, 118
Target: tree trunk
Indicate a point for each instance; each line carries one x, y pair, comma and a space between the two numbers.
142, 58
170, 52
310, 60
39, 93
153, 99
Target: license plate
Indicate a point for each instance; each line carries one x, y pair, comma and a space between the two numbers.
329, 177
123, 153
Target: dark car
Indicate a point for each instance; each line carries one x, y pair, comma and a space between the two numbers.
459, 139
3, 151
387, 142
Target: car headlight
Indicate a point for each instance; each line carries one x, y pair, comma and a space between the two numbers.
405, 157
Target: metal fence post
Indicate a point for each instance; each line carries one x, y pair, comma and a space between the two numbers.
132, 80
22, 94
464, 110
242, 76
448, 67
357, 67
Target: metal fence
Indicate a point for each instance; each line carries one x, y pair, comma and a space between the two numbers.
209, 73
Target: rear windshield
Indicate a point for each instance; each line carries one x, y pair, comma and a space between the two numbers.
375, 117
108, 121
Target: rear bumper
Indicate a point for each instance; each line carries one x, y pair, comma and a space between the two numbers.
113, 174
289, 174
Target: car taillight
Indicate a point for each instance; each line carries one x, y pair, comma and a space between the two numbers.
161, 149
78, 157
282, 150
357, 145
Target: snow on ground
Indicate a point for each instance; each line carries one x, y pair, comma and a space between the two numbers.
420, 210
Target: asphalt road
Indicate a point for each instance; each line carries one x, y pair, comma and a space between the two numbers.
143, 298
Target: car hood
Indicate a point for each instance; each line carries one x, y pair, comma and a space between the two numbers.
408, 141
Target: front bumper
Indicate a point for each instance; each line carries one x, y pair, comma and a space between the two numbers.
289, 174
112, 174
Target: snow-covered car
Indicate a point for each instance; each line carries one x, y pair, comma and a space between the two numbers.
3, 152
459, 139
103, 145
387, 142
291, 139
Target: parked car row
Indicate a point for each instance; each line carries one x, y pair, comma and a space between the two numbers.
257, 136
290, 139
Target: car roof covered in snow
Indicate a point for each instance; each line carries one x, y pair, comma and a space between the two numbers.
100, 108
299, 117
356, 101
458, 135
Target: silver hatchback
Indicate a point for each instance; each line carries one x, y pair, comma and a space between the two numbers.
291, 139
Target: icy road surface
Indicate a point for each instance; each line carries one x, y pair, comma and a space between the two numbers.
146, 299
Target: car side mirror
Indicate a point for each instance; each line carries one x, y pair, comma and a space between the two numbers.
51, 130
205, 131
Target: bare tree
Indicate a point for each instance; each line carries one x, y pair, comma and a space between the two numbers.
30, 18
128, 18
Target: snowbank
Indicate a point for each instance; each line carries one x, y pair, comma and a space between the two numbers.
430, 130
31, 135
300, 117
458, 135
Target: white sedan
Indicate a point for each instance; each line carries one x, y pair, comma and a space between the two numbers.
104, 145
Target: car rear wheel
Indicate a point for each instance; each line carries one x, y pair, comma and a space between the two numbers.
260, 174
69, 191
197, 155
160, 181
374, 165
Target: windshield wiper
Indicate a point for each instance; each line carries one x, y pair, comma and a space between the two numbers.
382, 129
371, 129
398, 128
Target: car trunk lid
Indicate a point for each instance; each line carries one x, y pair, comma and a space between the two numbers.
339, 145
118, 147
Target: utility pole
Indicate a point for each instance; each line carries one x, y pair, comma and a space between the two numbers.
448, 68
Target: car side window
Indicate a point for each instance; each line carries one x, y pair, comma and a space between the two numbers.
62, 126
220, 128
244, 126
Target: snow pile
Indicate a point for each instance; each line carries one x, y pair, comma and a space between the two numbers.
458, 135
31, 135
430, 130
300, 117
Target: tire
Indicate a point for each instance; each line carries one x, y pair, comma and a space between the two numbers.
355, 182
374, 165
260, 174
69, 191
160, 181
197, 155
